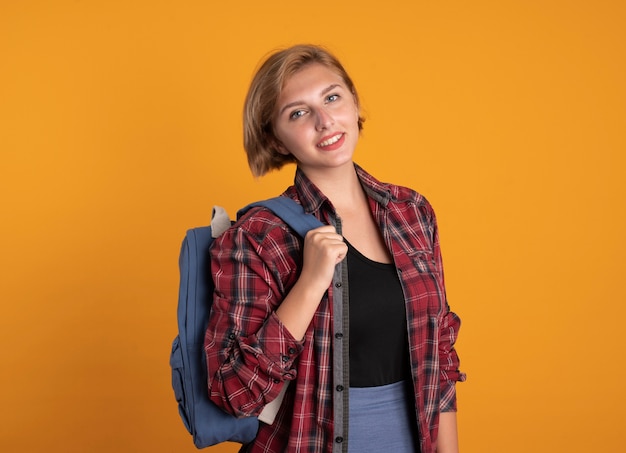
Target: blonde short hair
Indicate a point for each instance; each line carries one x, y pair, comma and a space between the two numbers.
259, 141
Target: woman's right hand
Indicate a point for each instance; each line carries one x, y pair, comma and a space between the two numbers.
323, 250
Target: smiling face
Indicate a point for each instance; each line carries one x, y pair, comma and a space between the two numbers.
316, 119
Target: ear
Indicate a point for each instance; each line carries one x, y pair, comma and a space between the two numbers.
279, 147
357, 107
282, 150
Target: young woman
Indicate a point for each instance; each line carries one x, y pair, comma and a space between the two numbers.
355, 317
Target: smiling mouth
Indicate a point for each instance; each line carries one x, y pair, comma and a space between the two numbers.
330, 141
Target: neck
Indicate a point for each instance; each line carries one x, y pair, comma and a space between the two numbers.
341, 186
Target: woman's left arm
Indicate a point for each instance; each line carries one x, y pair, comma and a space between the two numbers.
448, 329
447, 439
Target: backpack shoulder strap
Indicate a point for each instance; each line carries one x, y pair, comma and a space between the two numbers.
289, 211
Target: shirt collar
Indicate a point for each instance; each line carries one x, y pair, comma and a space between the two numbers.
312, 199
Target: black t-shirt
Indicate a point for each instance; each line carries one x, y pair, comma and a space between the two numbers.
379, 351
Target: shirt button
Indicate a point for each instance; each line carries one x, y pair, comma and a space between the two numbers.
285, 358
339, 388
291, 351
338, 335
338, 284
338, 439
231, 336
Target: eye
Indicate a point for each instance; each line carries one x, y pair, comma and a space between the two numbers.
332, 98
296, 114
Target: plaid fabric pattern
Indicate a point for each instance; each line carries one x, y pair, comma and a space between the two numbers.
250, 354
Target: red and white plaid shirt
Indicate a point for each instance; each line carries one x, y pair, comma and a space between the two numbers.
250, 354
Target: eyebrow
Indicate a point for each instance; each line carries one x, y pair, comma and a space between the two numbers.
296, 103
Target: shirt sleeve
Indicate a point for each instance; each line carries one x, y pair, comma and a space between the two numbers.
449, 325
249, 352
449, 362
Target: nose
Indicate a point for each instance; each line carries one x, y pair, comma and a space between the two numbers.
323, 119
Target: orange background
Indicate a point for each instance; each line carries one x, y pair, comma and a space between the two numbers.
120, 128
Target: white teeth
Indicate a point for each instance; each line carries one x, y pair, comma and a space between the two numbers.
331, 140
